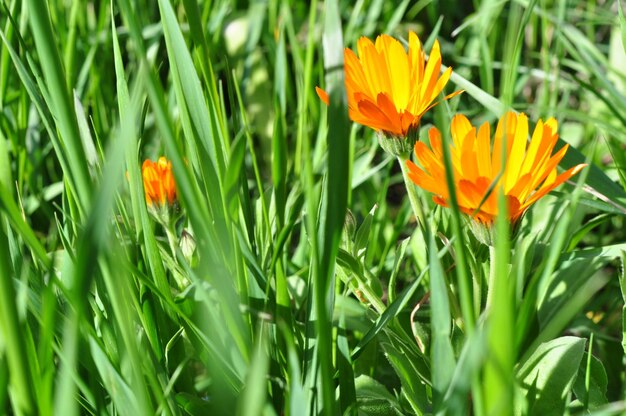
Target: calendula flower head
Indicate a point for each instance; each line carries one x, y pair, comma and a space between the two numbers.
528, 173
160, 189
389, 89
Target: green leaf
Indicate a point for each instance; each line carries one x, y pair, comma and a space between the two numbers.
622, 23
622, 285
12, 211
192, 405
190, 93
6, 178
412, 371
442, 353
120, 391
13, 335
93, 160
374, 399
252, 398
233, 175
573, 273
595, 395
336, 195
128, 111
470, 363
363, 233
390, 313
60, 103
552, 369
347, 383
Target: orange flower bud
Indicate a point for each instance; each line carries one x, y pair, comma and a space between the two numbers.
158, 182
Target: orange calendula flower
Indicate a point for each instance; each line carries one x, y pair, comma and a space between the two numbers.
389, 89
530, 171
158, 182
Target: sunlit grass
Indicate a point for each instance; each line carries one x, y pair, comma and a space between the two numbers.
296, 269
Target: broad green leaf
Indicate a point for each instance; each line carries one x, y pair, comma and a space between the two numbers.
412, 371
573, 272
552, 370
595, 395
374, 399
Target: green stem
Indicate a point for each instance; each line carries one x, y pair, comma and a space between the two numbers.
492, 276
411, 191
172, 239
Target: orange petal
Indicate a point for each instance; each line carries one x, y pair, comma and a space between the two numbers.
432, 164
506, 124
355, 77
483, 150
518, 150
531, 159
416, 63
459, 128
387, 106
431, 73
398, 66
373, 116
468, 158
434, 136
558, 181
541, 173
440, 201
374, 68
515, 208
323, 95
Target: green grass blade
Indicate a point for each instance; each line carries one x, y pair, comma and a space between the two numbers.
442, 354
337, 195
61, 104
20, 377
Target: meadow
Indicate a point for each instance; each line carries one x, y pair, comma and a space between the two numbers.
334, 207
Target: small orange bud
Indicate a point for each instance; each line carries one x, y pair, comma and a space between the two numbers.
158, 182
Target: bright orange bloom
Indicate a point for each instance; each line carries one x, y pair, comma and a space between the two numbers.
158, 182
388, 89
530, 171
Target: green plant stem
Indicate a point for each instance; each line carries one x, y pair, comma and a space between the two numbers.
372, 297
172, 239
411, 191
492, 276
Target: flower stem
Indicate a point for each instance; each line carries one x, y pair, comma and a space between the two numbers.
492, 276
411, 191
172, 239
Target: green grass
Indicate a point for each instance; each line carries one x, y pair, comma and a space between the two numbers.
297, 280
